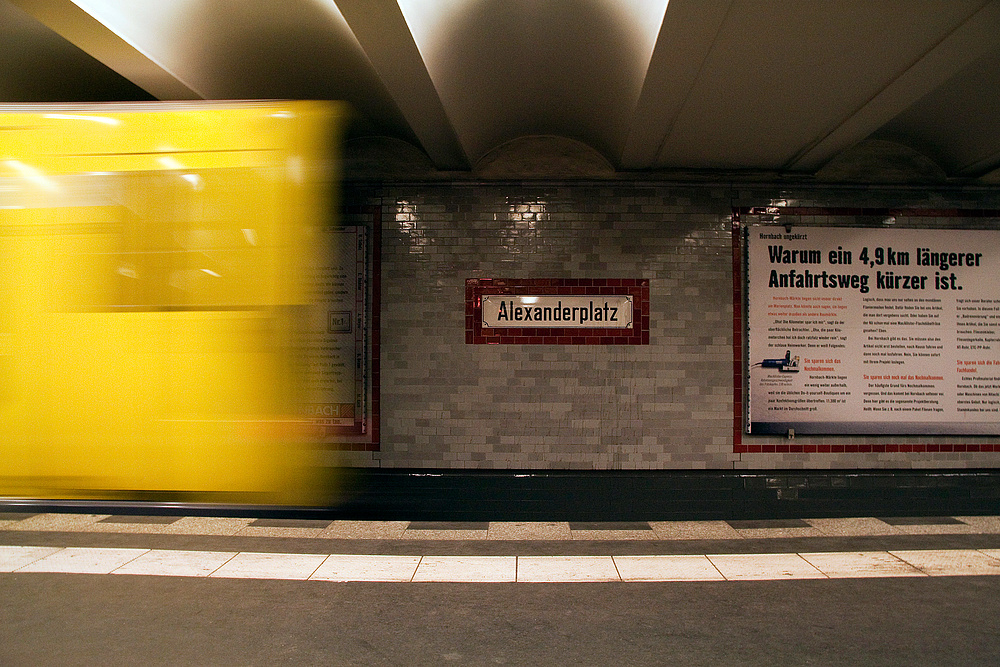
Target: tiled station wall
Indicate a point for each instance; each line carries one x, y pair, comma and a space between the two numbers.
666, 405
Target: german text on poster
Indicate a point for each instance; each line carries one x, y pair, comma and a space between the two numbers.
869, 331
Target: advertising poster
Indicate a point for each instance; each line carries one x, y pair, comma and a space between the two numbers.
336, 338
873, 331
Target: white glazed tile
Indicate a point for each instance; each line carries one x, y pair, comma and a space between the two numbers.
764, 566
84, 560
950, 562
165, 562
251, 565
366, 568
860, 564
12, 558
566, 568
666, 568
467, 568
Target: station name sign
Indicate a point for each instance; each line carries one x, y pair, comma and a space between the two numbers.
544, 311
557, 311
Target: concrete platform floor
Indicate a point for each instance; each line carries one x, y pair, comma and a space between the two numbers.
497, 530
105, 589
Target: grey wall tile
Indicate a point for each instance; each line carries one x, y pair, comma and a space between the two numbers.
665, 405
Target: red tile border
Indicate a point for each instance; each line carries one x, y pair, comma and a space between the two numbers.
476, 334
863, 449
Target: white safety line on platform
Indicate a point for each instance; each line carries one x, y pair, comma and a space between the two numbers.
501, 569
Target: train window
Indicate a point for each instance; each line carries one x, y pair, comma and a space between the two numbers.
148, 241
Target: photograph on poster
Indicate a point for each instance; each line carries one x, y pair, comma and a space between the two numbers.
873, 331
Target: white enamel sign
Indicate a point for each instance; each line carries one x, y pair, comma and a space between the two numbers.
548, 311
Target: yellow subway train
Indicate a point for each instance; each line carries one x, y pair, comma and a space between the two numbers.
153, 276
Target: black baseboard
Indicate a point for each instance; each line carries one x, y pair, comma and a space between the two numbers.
603, 495
533, 495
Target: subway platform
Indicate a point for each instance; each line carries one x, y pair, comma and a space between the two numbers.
103, 588
423, 551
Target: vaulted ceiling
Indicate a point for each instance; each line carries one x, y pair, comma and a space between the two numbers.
897, 90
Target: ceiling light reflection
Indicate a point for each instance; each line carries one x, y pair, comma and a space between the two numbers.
32, 175
170, 162
96, 119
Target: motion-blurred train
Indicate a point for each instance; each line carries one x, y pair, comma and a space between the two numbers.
153, 276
